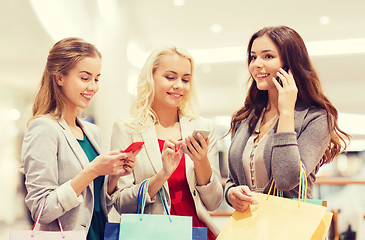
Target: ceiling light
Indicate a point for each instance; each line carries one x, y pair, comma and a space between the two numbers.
324, 20
336, 47
206, 68
352, 123
14, 114
216, 28
136, 56
179, 3
108, 10
60, 23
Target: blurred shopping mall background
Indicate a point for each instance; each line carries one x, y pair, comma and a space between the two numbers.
216, 32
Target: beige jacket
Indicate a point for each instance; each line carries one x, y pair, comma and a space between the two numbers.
52, 157
148, 163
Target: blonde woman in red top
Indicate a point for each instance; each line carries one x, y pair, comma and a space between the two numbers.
163, 117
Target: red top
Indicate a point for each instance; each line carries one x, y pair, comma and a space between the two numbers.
182, 202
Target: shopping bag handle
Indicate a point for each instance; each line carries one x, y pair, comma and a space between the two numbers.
142, 197
144, 194
139, 197
303, 185
35, 226
163, 200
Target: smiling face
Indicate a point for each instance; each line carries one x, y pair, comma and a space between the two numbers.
172, 81
81, 83
264, 63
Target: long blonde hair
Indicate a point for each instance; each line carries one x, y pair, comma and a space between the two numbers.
63, 56
142, 115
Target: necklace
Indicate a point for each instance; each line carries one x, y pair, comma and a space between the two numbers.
266, 125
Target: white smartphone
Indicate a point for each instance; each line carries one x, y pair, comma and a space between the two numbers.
204, 133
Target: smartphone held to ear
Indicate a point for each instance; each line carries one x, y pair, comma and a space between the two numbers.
286, 69
134, 147
204, 133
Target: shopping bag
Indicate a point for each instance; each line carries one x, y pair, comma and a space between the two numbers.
277, 218
322, 230
35, 234
46, 235
111, 231
200, 233
142, 226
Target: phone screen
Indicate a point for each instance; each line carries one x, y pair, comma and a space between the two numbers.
204, 133
134, 147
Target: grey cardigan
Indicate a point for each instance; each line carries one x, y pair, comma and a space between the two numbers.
52, 157
284, 151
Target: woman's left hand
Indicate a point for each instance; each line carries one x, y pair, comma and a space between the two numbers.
197, 152
287, 94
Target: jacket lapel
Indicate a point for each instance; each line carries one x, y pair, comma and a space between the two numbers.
186, 130
238, 144
74, 145
90, 136
152, 148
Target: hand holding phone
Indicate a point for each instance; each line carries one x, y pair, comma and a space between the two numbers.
204, 133
134, 147
286, 69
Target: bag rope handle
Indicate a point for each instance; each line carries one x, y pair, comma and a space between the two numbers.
34, 228
303, 185
139, 197
163, 200
144, 197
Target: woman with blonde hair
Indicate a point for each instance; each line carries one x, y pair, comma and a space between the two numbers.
163, 116
64, 171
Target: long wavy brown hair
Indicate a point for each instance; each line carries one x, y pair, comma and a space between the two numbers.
294, 54
62, 57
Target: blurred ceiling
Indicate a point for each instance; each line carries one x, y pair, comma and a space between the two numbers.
25, 42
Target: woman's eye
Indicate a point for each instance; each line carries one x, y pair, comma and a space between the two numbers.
269, 56
253, 58
169, 78
186, 80
85, 78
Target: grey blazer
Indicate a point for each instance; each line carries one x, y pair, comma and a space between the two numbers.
52, 157
284, 151
148, 163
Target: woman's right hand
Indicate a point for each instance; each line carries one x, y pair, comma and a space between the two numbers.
171, 156
240, 197
112, 163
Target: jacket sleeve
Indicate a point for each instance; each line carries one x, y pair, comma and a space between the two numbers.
40, 159
212, 193
127, 192
306, 146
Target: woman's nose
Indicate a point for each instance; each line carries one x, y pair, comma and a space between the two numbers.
93, 86
178, 83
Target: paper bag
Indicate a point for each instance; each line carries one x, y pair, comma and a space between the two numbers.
274, 218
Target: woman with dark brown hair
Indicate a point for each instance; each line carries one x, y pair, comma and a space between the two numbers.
285, 122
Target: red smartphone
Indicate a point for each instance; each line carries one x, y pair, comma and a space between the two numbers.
134, 147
